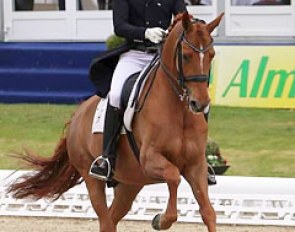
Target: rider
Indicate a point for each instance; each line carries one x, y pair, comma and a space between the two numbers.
142, 23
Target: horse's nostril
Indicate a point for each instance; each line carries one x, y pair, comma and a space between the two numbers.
194, 106
197, 107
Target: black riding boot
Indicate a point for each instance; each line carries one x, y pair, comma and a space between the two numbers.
211, 174
102, 167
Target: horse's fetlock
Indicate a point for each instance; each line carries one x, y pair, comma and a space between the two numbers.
172, 218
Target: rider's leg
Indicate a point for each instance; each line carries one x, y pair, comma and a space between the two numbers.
102, 167
211, 176
129, 63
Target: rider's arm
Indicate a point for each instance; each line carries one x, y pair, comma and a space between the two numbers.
122, 26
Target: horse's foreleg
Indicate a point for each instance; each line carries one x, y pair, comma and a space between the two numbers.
157, 166
96, 190
124, 196
197, 178
165, 221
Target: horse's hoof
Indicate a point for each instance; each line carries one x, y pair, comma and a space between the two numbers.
156, 223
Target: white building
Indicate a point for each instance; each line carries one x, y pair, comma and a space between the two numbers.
47, 23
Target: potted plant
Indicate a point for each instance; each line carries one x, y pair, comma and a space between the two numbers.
214, 158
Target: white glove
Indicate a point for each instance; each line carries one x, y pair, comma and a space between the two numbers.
155, 34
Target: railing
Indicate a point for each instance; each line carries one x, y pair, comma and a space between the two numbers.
236, 200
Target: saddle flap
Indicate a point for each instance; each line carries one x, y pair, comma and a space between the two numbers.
136, 92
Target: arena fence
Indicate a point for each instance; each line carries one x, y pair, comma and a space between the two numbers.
237, 200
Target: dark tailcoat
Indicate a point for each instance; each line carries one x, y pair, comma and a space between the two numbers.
131, 18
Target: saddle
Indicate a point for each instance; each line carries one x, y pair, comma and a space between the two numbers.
128, 104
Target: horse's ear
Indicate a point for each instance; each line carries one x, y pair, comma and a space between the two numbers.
186, 21
213, 24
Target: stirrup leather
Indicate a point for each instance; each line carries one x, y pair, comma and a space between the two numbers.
96, 162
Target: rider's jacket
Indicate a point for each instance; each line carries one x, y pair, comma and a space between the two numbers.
132, 17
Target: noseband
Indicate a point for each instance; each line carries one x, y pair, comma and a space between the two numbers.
181, 78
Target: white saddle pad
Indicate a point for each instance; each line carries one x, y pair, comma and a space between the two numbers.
99, 116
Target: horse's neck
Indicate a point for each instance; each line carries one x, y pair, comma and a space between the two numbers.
163, 99
166, 84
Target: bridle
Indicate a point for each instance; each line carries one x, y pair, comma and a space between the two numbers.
196, 78
185, 92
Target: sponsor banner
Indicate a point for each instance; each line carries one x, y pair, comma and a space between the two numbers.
253, 76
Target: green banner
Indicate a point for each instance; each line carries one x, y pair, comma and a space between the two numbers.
254, 76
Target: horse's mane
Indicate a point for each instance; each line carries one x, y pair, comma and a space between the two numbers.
176, 19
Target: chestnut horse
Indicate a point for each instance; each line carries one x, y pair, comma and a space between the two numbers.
170, 131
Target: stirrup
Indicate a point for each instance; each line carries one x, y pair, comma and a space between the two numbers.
211, 177
97, 161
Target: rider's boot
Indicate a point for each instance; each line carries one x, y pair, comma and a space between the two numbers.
101, 167
211, 175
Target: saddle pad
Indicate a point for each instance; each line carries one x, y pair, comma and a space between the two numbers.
100, 113
99, 116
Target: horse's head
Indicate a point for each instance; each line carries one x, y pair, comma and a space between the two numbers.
190, 40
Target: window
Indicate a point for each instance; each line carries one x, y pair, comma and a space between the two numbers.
260, 18
198, 2
260, 2
54, 5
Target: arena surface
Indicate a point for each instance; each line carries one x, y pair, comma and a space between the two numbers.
41, 224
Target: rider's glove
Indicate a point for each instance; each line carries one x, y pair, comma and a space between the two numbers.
155, 34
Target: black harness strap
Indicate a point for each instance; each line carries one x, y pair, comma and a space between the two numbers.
132, 143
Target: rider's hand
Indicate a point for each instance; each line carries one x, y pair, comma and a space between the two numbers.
155, 34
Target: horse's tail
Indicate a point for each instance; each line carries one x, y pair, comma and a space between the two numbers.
53, 176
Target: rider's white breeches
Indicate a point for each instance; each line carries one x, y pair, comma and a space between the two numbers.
129, 63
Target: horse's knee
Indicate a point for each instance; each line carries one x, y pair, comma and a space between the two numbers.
172, 175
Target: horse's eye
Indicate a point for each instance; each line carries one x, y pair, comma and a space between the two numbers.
186, 58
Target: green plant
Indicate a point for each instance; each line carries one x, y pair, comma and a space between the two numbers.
114, 41
213, 154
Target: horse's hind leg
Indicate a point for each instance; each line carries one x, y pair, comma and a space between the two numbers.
124, 196
197, 178
96, 190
